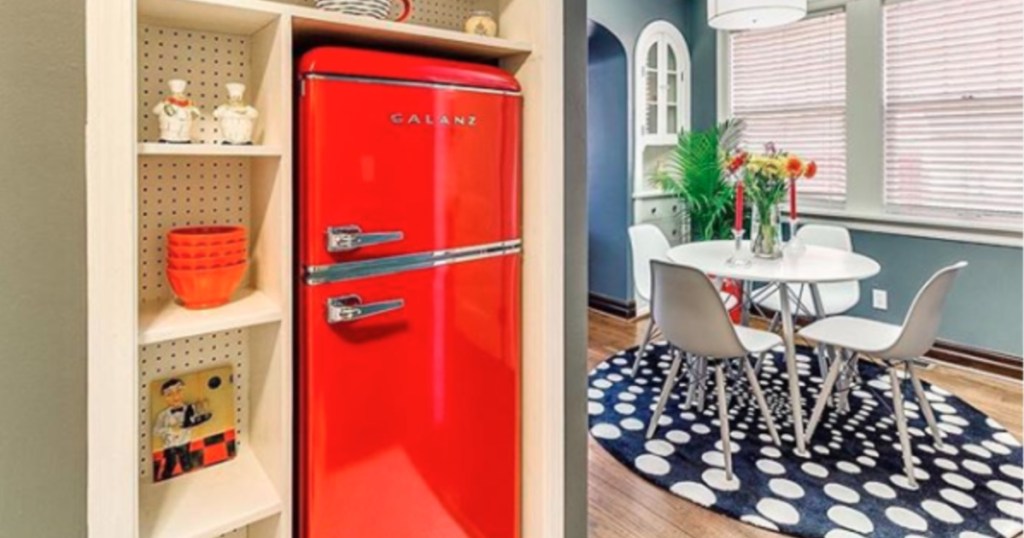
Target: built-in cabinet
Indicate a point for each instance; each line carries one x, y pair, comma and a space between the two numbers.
662, 109
662, 83
139, 188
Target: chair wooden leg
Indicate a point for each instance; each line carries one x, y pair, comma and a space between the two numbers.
755, 387
723, 418
642, 350
823, 397
666, 390
691, 384
901, 426
702, 376
926, 406
774, 325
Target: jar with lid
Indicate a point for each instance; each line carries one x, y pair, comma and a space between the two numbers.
481, 22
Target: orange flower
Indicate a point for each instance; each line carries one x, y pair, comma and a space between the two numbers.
810, 170
794, 167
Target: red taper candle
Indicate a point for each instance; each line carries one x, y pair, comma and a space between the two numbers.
792, 198
738, 220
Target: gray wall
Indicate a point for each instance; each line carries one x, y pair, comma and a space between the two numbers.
625, 19
42, 269
984, 308
575, 100
607, 164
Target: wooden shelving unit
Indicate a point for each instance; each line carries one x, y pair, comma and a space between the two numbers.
247, 16
156, 149
162, 322
216, 501
138, 188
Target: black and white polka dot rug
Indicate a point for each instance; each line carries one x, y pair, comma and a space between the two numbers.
853, 483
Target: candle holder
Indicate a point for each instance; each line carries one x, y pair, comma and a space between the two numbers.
738, 259
795, 245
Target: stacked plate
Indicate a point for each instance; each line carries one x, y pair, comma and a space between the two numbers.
377, 9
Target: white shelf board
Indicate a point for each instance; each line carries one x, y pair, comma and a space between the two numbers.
317, 25
208, 150
248, 16
209, 502
240, 17
170, 321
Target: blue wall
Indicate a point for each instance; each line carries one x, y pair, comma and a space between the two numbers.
703, 44
611, 212
984, 308
607, 165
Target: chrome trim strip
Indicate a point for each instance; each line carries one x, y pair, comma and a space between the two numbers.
410, 83
323, 274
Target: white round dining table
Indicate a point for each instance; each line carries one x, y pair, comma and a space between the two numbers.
810, 265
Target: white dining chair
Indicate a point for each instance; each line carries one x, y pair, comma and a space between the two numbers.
691, 315
647, 243
836, 298
892, 345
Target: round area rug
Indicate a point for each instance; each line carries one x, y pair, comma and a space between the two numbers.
852, 484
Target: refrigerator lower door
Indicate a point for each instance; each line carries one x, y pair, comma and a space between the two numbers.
409, 404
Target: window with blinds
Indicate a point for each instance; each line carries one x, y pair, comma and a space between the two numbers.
789, 84
954, 118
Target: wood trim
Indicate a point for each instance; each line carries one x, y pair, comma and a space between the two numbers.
976, 358
611, 305
541, 75
113, 400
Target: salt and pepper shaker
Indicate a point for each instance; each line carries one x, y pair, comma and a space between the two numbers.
236, 119
176, 113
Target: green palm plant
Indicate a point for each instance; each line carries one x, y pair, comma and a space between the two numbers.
696, 174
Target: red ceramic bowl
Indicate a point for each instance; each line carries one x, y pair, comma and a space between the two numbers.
206, 235
206, 288
206, 263
207, 251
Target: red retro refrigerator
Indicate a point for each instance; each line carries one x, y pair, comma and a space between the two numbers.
408, 229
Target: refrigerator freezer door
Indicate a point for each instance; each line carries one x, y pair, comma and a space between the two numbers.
409, 411
391, 168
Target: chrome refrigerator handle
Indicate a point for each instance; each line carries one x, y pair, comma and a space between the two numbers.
351, 308
346, 238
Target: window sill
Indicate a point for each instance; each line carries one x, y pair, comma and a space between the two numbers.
964, 231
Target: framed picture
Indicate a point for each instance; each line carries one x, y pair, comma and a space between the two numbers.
193, 419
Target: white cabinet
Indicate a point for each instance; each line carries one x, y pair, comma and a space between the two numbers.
661, 100
662, 84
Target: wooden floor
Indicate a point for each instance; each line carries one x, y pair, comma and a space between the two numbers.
623, 505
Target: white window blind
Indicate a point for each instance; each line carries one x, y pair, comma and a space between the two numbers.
789, 84
954, 119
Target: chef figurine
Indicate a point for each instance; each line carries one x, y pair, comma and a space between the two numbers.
236, 118
176, 113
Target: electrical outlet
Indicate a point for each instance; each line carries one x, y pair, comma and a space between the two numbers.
880, 299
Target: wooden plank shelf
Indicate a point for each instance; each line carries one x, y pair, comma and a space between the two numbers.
171, 321
313, 25
209, 502
207, 150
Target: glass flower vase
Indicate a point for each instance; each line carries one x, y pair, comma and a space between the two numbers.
766, 231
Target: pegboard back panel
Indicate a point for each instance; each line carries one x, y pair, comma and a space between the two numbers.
175, 192
189, 355
448, 14
205, 60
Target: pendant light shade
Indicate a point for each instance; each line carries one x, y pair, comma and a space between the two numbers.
751, 14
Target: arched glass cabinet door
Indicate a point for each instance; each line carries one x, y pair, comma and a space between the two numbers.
662, 83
